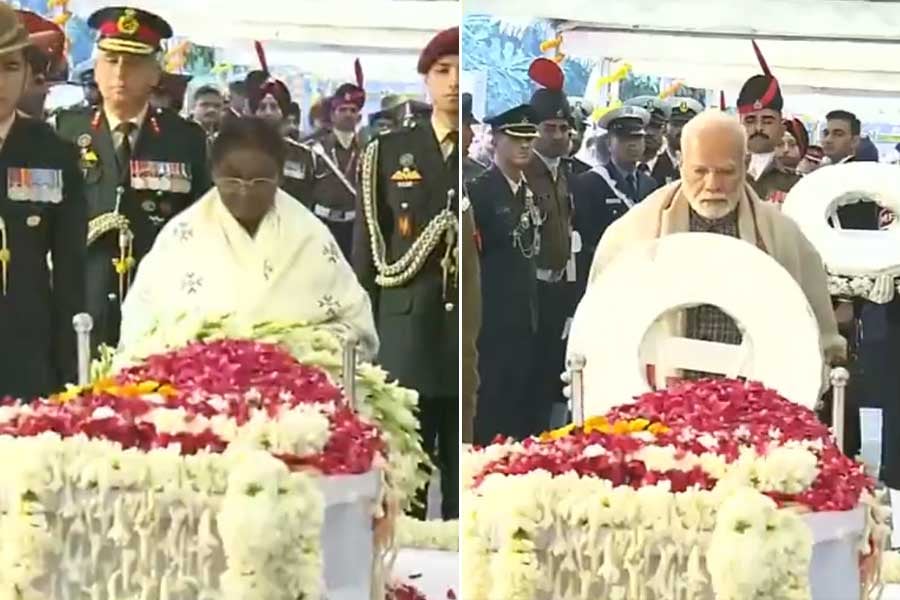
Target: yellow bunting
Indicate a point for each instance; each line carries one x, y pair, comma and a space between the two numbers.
671, 90
551, 44
619, 74
602, 110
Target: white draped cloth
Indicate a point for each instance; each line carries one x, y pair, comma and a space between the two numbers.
204, 264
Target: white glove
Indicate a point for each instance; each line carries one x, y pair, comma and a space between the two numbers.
883, 290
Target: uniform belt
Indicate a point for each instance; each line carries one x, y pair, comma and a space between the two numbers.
330, 214
550, 276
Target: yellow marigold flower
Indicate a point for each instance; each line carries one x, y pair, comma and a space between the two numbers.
72, 392
621, 427
638, 424
147, 387
167, 391
657, 429
555, 434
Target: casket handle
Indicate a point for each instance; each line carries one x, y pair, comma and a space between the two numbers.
839, 379
83, 324
349, 370
575, 366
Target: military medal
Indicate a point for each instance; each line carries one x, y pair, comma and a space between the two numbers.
33, 221
148, 206
153, 175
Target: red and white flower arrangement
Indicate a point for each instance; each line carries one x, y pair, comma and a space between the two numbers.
664, 485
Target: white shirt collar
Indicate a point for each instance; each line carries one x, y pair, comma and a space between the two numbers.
512, 184
137, 120
759, 163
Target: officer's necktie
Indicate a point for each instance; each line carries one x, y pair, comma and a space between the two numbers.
630, 187
123, 151
448, 144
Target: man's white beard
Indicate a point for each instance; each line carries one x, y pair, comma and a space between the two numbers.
713, 210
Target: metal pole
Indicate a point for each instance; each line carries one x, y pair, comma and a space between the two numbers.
839, 379
349, 371
575, 365
83, 324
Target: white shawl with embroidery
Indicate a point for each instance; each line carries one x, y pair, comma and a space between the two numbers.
204, 264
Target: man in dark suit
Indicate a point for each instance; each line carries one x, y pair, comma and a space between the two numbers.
141, 165
42, 211
404, 253
606, 192
508, 220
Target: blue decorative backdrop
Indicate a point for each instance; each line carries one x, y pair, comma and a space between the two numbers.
503, 49
504, 52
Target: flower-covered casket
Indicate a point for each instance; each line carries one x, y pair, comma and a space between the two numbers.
230, 467
717, 489
706, 489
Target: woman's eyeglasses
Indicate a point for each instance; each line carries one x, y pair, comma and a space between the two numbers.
234, 185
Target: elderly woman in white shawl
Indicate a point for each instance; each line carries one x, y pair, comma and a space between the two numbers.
248, 250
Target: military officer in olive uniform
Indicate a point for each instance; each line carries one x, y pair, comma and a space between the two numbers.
336, 156
606, 192
759, 104
405, 253
142, 166
269, 98
42, 212
508, 220
680, 110
547, 175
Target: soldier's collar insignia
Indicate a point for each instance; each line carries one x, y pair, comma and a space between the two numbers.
683, 107
407, 174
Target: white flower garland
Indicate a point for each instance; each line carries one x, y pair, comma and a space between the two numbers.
537, 536
566, 537
153, 517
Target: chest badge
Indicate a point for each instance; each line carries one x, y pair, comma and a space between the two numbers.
407, 175
33, 220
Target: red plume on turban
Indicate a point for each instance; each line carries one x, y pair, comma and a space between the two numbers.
261, 83
546, 74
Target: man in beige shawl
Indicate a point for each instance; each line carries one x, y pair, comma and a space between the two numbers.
713, 196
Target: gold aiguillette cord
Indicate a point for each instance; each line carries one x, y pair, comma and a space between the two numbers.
4, 255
